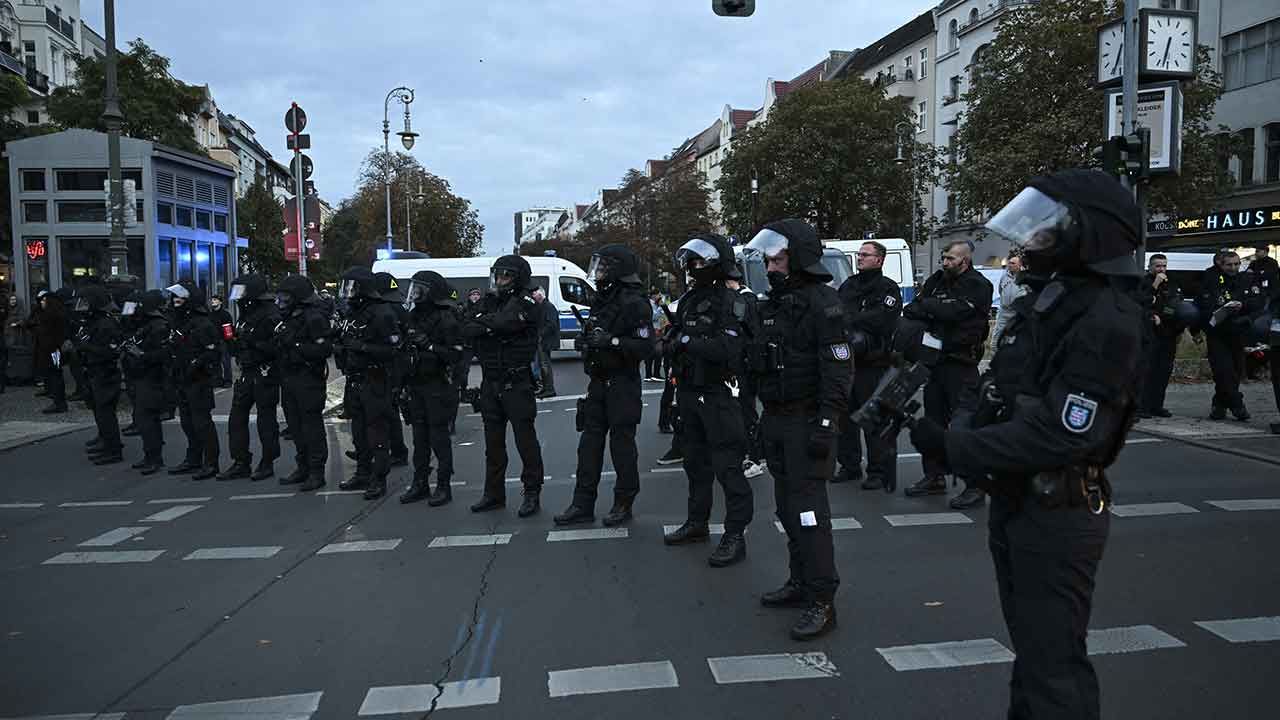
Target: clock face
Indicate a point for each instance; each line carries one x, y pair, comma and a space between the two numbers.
1110, 52
1170, 43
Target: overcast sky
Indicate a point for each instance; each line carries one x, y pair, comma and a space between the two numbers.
519, 102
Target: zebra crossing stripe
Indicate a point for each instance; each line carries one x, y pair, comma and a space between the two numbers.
612, 678
399, 699
932, 656
280, 707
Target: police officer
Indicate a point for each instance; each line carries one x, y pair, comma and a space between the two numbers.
1064, 369
753, 464
368, 347
872, 304
254, 348
707, 350
197, 365
1229, 300
1160, 298
303, 345
148, 355
100, 350
618, 336
131, 321
391, 295
805, 370
504, 332
431, 401
955, 303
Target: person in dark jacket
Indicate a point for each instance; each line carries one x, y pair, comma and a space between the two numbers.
391, 295
1161, 329
100, 350
148, 357
50, 324
197, 358
303, 344
955, 305
872, 304
1231, 300
433, 346
221, 318
252, 341
548, 341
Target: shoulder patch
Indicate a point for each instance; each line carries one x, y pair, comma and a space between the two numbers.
642, 331
1078, 413
890, 300
840, 351
739, 308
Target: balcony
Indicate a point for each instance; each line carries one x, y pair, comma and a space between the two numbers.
9, 60
991, 13
37, 81
949, 100
62, 25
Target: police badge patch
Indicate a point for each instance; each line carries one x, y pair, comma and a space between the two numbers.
1078, 413
841, 351
642, 332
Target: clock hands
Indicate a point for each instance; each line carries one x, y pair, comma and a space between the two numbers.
1119, 55
1167, 43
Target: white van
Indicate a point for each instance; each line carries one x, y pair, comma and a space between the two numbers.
897, 261
566, 284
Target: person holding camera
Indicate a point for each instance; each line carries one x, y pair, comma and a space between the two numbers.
872, 305
1230, 300
1160, 298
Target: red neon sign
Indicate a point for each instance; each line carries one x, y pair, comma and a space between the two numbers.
37, 249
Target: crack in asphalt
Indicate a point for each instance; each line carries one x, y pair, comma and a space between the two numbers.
482, 590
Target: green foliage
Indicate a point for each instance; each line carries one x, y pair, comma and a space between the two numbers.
1032, 108
261, 219
443, 224
155, 105
828, 154
341, 239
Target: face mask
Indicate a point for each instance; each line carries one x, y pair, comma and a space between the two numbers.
777, 280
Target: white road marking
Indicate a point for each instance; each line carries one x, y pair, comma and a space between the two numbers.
263, 496
1143, 441
171, 501
1146, 509
945, 655
74, 716
1237, 505
327, 493
514, 480
280, 707
21, 506
765, 668
172, 513
97, 503
591, 534
845, 523
612, 678
235, 553
399, 699
666, 470
543, 412
713, 528
605, 473
450, 541
358, 546
932, 518
466, 444
1243, 630
104, 556
114, 537
908, 456
1111, 641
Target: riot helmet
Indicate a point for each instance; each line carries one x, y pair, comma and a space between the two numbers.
613, 264
796, 241
509, 274
249, 289
427, 289
131, 309
151, 304
388, 287
182, 297
359, 286
92, 299
705, 258
295, 290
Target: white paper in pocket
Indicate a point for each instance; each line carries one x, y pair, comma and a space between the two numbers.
808, 519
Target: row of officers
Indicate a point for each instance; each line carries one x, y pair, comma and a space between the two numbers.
1037, 432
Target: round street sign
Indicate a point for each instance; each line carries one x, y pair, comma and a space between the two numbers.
295, 120
311, 244
307, 166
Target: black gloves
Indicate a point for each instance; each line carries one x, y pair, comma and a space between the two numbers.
929, 438
599, 338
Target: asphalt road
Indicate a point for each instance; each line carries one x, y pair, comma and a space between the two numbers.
160, 597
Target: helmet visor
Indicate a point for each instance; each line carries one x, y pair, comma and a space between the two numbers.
1031, 221
418, 292
500, 278
348, 289
130, 308
769, 243
697, 252
600, 268
178, 291
237, 293
81, 306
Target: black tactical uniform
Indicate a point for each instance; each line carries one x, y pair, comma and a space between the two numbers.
707, 359
433, 346
258, 386
1160, 343
197, 364
131, 321
1229, 300
747, 391
504, 332
146, 360
367, 347
872, 305
956, 309
1056, 406
618, 337
390, 291
805, 370
100, 351
303, 345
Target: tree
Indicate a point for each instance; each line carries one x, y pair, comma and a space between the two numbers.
827, 154
260, 218
155, 105
1032, 108
341, 240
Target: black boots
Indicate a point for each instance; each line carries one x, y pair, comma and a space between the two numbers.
265, 470
488, 503
846, 474
315, 480
297, 477
971, 497
238, 469
790, 595
184, 468
443, 494
732, 550
355, 482
928, 485
377, 488
530, 505
150, 466
575, 515
619, 514
205, 472
417, 490
817, 621
690, 532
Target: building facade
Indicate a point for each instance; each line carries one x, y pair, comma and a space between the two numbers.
40, 42
185, 213
536, 223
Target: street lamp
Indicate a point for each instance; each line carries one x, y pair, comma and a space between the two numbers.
404, 96
902, 140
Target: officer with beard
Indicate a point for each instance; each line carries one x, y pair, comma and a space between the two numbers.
805, 371
148, 362
1056, 405
618, 337
100, 349
503, 329
431, 401
390, 290
253, 345
707, 350
303, 345
368, 348
197, 365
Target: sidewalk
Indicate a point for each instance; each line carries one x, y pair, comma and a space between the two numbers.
1189, 402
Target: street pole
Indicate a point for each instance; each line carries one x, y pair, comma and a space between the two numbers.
1129, 116
405, 96
117, 249
408, 221
298, 193
755, 189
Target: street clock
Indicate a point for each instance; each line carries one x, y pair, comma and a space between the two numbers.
1111, 53
1168, 47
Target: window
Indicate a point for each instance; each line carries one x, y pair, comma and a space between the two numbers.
203, 251
164, 213
906, 62
139, 211
164, 258
86, 257
953, 35
82, 211
973, 16
182, 217
1246, 156
921, 116
221, 195
1273, 153
891, 74
220, 270
184, 260
33, 117
1251, 56
924, 63
575, 291
203, 221
32, 180
36, 211
220, 222
92, 180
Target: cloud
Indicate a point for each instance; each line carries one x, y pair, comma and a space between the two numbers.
518, 103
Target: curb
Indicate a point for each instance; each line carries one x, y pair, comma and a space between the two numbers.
1203, 445
25, 440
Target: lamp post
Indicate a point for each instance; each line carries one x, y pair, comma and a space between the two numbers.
117, 249
409, 200
404, 96
755, 190
902, 137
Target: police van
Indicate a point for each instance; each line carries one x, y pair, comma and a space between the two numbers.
897, 261
566, 284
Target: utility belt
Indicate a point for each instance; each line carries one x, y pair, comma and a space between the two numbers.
1075, 486
509, 378
807, 407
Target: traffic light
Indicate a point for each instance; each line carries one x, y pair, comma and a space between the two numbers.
1111, 155
1126, 155
734, 8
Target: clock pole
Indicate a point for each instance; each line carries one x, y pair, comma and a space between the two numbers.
1129, 115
